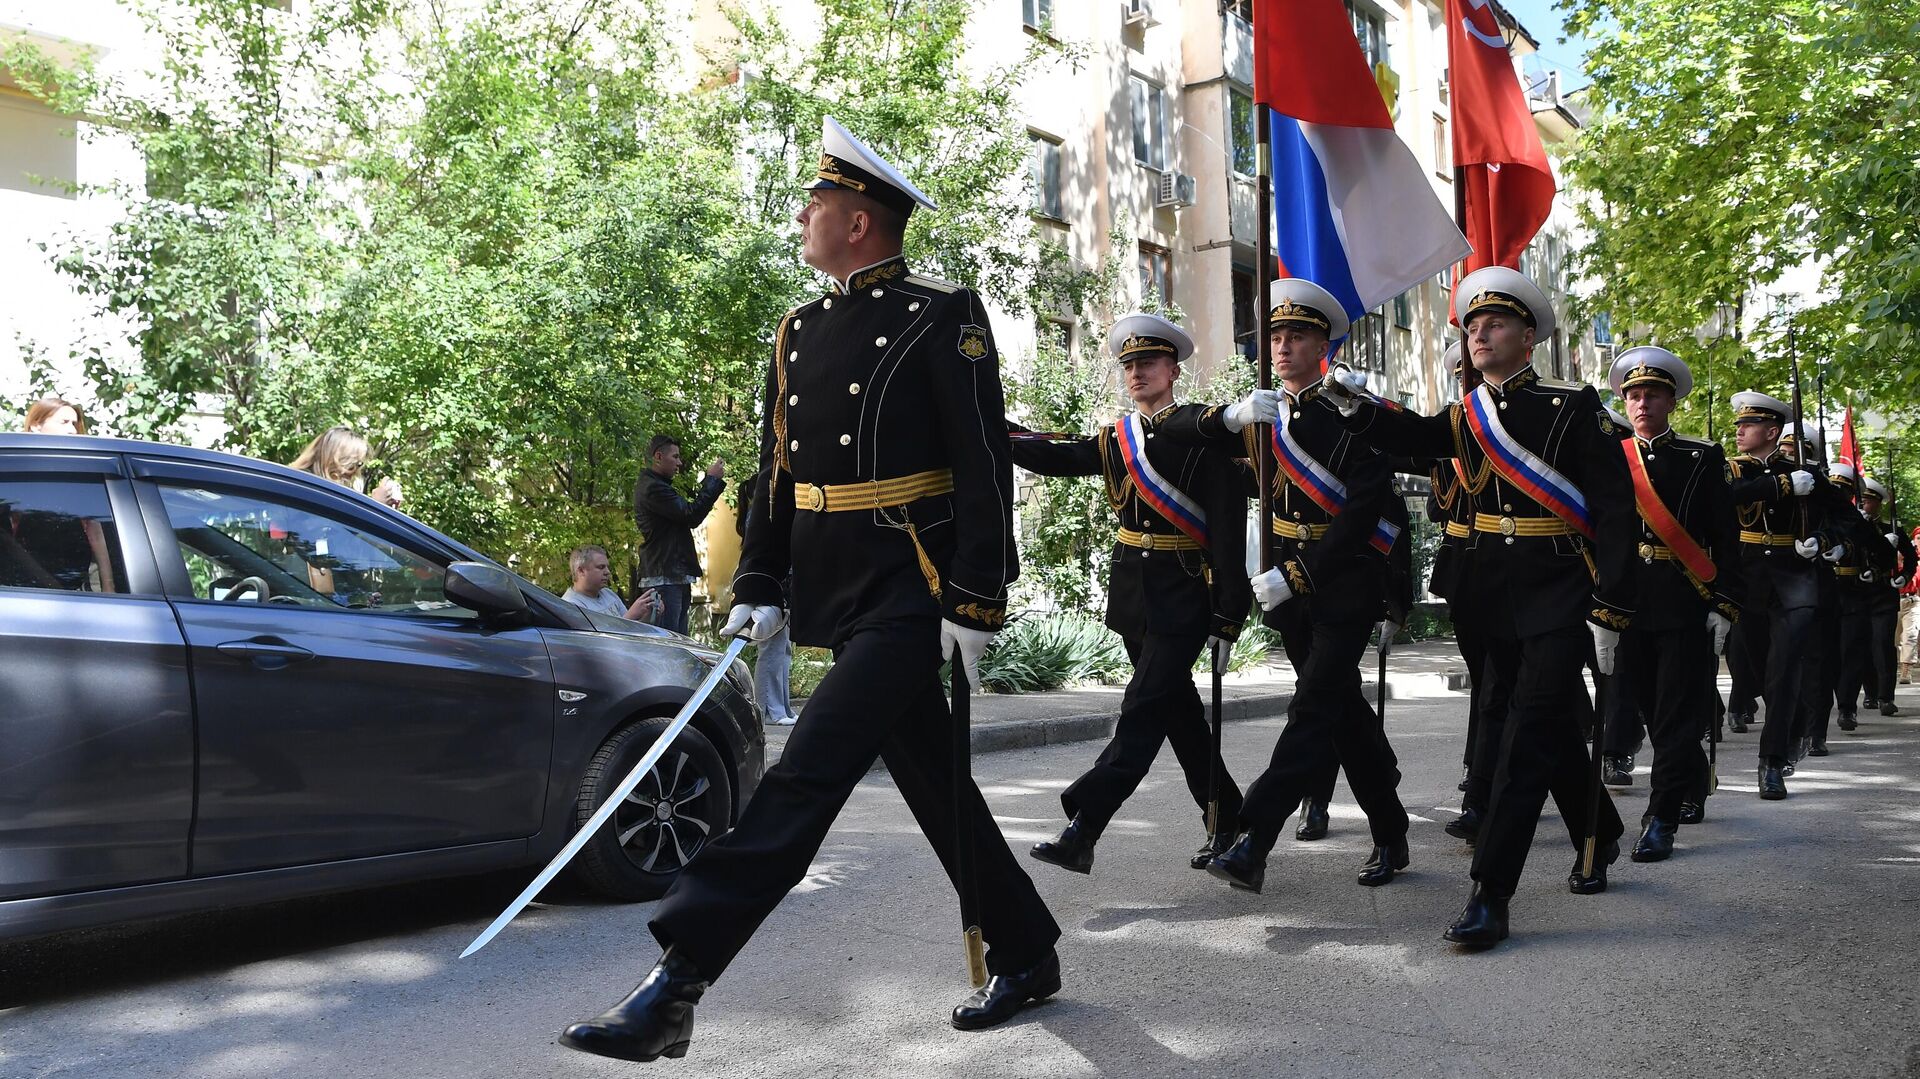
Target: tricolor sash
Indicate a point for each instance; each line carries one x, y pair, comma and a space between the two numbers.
1661, 519
1316, 479
1523, 468
1385, 532
1166, 499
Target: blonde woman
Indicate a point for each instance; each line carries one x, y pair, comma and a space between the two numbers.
55, 416
340, 455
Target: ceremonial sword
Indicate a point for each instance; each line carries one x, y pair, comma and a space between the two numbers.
619, 795
966, 881
1213, 762
1601, 683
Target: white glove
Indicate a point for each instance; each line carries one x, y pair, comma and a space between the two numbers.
1802, 481
1221, 651
765, 621
972, 644
1899, 582
1605, 642
1718, 625
1808, 548
1835, 553
1345, 387
1271, 589
1389, 629
1893, 539
1260, 406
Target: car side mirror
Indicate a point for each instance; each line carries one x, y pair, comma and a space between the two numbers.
490, 590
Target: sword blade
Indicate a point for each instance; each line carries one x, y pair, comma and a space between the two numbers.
607, 808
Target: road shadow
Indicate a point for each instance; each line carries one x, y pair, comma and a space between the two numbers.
1111, 1040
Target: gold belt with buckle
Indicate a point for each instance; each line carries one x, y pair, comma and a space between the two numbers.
1157, 541
1294, 531
1846, 571
1653, 552
872, 495
1521, 526
1765, 539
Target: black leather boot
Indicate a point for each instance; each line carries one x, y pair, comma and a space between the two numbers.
1870, 704
1465, 773
1737, 721
1849, 721
1819, 748
1582, 884
1313, 821
1465, 826
1773, 783
1483, 924
1073, 850
1656, 843
1888, 708
1212, 848
1693, 813
1384, 863
655, 1020
1244, 865
1005, 994
1616, 771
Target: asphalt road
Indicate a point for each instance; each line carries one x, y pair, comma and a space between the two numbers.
1781, 941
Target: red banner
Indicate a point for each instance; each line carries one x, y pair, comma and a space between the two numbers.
1509, 186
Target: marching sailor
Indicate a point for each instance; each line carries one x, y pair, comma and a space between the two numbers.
1174, 586
1884, 610
1760, 420
1688, 584
1861, 577
1549, 562
893, 513
1333, 531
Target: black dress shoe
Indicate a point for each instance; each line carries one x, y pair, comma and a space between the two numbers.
1212, 848
1384, 863
1773, 786
1244, 865
1073, 850
1870, 704
1656, 843
1005, 994
1693, 813
1800, 749
1465, 774
1819, 748
1581, 884
1888, 708
655, 1020
1465, 826
1737, 721
1849, 721
1616, 771
1313, 821
1483, 924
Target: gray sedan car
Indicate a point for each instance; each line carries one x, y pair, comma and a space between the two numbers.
223, 681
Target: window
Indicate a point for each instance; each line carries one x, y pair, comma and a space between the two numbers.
1149, 122
1247, 338
1442, 148
1242, 137
1403, 310
1036, 14
1046, 178
58, 535
1156, 273
1055, 333
1371, 31
250, 549
1241, 8
1366, 347
1603, 329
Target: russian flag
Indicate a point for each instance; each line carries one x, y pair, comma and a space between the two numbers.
1353, 210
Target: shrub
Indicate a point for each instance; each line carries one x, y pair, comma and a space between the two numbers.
1036, 653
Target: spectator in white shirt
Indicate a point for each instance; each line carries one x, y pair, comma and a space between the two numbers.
590, 591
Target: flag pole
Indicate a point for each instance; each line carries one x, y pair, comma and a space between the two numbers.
1263, 182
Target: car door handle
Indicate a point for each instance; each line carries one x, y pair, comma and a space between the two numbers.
267, 653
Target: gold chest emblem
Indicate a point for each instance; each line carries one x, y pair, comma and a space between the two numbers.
973, 342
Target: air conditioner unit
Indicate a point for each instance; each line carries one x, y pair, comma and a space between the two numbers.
1176, 190
1138, 13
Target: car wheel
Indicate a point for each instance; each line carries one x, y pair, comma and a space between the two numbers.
680, 806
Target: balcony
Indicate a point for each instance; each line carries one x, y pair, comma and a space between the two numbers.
1237, 48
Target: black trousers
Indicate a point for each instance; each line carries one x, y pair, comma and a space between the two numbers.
1856, 661
1534, 680
882, 698
1789, 637
1329, 723
1473, 651
1821, 683
1666, 676
1493, 704
1883, 644
1747, 661
1161, 705
1626, 719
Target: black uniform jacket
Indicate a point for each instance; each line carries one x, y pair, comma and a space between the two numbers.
1544, 582
1690, 477
888, 376
1345, 575
1868, 564
1163, 591
1768, 511
1453, 514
